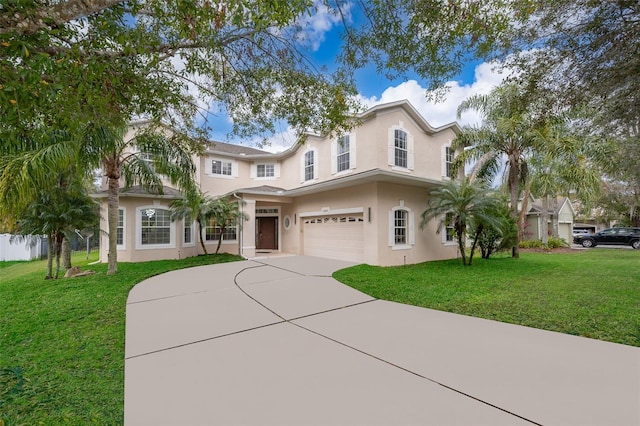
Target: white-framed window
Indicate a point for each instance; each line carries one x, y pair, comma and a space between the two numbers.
155, 229
212, 232
309, 170
450, 230
265, 170
343, 154
401, 148
120, 230
401, 227
222, 168
187, 232
147, 158
449, 155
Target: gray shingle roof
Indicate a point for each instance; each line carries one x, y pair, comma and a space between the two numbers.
234, 149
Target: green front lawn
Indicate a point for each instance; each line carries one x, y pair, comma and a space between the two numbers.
593, 293
62, 341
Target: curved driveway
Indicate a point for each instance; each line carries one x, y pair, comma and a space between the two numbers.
279, 342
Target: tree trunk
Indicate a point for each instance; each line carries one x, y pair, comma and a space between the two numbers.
59, 238
112, 219
50, 254
461, 243
66, 253
204, 249
475, 242
222, 228
514, 191
544, 226
555, 219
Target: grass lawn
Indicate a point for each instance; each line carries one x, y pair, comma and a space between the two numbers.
62, 341
593, 293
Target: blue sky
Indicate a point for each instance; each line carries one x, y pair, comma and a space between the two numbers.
323, 42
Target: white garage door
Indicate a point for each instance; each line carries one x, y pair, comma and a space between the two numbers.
335, 237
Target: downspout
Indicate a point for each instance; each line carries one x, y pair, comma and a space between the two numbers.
240, 222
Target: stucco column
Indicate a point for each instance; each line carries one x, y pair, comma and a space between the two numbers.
249, 229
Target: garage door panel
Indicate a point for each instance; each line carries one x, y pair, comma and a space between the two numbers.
335, 237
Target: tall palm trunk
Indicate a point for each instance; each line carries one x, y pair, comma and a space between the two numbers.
66, 252
514, 192
204, 249
50, 254
59, 237
545, 220
112, 219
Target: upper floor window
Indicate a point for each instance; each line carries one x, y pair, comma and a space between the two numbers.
155, 226
448, 161
342, 155
219, 167
401, 148
309, 169
265, 170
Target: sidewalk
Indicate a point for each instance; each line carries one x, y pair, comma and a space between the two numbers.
278, 341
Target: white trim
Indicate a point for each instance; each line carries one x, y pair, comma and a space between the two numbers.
332, 212
172, 230
122, 246
209, 168
410, 227
193, 239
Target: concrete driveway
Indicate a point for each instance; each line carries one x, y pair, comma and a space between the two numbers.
279, 342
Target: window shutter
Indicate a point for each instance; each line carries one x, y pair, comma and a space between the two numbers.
315, 164
443, 160
334, 157
391, 148
234, 169
352, 151
412, 228
254, 171
410, 152
276, 170
392, 235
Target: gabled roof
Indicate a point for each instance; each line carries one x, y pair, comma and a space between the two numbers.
243, 151
413, 113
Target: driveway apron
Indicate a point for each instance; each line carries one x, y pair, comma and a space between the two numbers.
279, 342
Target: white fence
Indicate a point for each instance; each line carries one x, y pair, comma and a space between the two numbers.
17, 250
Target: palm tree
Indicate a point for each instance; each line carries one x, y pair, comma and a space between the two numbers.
224, 213
139, 160
569, 165
194, 205
508, 130
461, 203
52, 214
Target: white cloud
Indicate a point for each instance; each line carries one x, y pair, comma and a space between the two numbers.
315, 26
444, 112
436, 113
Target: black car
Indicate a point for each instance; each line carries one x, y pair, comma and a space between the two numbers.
617, 236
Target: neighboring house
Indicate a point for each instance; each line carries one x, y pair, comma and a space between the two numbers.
560, 209
357, 197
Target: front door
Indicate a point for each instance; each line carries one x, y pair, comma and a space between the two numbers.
267, 233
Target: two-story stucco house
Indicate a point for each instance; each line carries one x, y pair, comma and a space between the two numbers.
358, 197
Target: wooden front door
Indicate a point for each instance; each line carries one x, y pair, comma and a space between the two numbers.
267, 233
